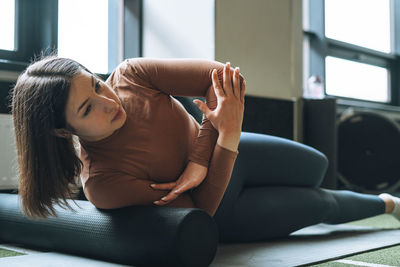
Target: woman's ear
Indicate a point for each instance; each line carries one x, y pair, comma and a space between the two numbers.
63, 133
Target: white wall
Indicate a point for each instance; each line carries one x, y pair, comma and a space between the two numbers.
8, 154
263, 38
178, 28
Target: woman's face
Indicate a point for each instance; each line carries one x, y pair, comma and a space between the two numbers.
93, 109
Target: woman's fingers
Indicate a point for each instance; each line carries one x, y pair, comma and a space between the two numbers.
202, 106
236, 82
219, 91
175, 192
242, 91
165, 186
168, 198
227, 79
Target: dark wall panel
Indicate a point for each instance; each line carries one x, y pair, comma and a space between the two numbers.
320, 132
269, 116
5, 89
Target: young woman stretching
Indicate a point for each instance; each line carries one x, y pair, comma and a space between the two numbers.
139, 146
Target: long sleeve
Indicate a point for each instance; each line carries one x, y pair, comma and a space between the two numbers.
209, 193
121, 167
180, 77
113, 189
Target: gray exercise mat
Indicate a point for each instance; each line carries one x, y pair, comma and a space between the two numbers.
54, 259
312, 244
307, 246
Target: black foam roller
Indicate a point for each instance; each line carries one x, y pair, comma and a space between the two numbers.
136, 235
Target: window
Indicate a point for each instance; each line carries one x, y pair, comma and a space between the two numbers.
364, 23
30, 29
354, 48
356, 80
83, 32
7, 17
97, 33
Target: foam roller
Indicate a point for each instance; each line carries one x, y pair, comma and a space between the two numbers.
136, 235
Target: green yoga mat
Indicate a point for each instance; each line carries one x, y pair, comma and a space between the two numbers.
387, 256
381, 257
9, 253
384, 221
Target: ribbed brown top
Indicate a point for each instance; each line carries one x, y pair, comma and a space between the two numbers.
158, 138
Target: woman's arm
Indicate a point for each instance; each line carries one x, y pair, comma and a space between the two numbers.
208, 195
181, 77
227, 118
112, 190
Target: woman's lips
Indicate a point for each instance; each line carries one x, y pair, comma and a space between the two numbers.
119, 112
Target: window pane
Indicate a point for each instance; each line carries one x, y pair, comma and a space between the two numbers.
361, 22
7, 14
83, 32
356, 80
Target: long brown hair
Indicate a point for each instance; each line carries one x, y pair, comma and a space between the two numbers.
48, 164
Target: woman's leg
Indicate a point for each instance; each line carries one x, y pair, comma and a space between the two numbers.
270, 160
255, 208
261, 213
266, 160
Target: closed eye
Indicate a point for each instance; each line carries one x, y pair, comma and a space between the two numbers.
97, 87
88, 108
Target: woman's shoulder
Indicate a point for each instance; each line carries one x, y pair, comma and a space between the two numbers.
132, 66
134, 75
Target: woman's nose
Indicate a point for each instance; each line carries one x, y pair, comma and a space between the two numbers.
108, 105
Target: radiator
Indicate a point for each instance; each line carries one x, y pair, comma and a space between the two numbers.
8, 154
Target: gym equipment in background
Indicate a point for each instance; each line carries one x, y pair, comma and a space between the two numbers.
368, 152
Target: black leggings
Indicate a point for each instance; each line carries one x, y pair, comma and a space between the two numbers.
274, 191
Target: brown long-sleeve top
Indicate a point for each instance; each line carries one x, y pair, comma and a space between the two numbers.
158, 139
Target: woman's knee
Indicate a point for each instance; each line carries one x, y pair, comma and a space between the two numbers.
283, 158
319, 162
280, 146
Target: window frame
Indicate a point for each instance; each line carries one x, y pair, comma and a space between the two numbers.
38, 32
38, 29
319, 47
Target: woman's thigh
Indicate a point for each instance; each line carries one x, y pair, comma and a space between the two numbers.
268, 160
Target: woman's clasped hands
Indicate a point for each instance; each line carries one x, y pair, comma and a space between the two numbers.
226, 118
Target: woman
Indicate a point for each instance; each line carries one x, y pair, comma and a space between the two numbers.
140, 147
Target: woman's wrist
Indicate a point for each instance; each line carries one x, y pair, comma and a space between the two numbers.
229, 141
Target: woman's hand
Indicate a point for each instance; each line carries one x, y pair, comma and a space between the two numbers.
227, 118
191, 177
